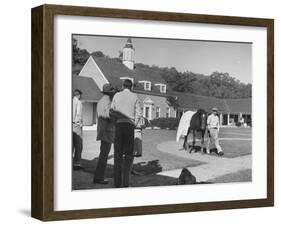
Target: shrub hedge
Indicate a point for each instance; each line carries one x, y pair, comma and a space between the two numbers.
165, 123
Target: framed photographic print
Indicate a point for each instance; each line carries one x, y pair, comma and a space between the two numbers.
141, 112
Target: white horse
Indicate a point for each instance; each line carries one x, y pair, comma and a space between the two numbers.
184, 124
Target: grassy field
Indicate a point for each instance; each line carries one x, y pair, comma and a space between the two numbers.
234, 141
240, 176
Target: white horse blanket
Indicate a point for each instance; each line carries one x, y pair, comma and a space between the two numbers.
184, 124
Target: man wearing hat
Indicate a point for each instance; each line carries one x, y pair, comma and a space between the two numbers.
77, 124
213, 124
105, 132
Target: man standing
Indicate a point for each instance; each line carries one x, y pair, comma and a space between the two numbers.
77, 124
105, 132
127, 104
213, 124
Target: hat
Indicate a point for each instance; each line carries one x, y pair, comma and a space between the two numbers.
107, 88
215, 109
77, 92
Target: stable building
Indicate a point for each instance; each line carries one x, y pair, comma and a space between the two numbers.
149, 86
231, 110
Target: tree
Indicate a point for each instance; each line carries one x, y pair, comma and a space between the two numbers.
79, 56
97, 54
172, 102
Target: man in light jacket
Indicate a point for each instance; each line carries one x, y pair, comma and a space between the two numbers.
105, 132
126, 104
213, 124
77, 127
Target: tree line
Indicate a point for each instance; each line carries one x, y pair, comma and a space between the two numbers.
218, 84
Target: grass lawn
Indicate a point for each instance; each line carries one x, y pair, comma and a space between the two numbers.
240, 176
167, 161
234, 142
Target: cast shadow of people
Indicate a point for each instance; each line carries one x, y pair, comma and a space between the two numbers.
143, 174
197, 148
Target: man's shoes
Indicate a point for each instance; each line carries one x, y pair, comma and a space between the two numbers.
77, 166
100, 181
208, 151
220, 153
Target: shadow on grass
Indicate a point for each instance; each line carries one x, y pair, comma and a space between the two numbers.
140, 168
197, 148
143, 174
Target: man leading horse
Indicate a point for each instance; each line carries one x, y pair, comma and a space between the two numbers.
213, 124
200, 122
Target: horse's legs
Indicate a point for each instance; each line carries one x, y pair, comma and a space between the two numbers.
185, 140
193, 142
202, 140
184, 143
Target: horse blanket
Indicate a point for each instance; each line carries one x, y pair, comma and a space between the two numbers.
184, 124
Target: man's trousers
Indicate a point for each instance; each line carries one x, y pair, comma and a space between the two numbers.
123, 153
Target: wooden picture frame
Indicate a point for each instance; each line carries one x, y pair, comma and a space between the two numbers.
42, 203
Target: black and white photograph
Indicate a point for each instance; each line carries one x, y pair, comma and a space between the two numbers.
158, 112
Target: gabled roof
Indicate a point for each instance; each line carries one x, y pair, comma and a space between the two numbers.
189, 101
89, 88
113, 70
239, 105
148, 74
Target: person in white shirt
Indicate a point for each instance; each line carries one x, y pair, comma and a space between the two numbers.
213, 124
77, 125
127, 105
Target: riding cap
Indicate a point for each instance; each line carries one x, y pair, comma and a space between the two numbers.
107, 88
215, 109
77, 92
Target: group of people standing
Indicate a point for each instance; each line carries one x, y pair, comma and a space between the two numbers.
118, 114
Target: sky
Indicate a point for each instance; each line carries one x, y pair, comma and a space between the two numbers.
196, 56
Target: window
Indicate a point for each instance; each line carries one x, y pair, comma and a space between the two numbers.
146, 85
162, 87
123, 78
146, 112
168, 112
157, 112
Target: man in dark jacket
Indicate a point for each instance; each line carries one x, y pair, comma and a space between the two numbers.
105, 132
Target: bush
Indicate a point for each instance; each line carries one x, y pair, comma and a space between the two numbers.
165, 123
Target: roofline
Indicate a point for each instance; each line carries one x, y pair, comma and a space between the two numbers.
223, 112
143, 81
93, 60
126, 77
153, 93
160, 84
